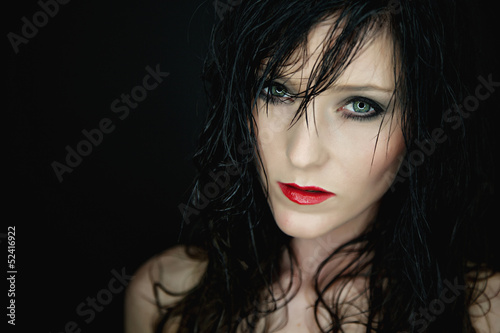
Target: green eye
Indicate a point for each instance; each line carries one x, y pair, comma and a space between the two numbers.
278, 91
361, 107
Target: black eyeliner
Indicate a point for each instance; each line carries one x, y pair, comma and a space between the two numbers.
379, 110
275, 99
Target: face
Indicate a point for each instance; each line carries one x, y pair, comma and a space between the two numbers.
330, 173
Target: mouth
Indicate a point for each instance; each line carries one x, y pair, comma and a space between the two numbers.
305, 195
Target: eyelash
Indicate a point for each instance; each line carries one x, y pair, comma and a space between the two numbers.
377, 109
275, 100
268, 97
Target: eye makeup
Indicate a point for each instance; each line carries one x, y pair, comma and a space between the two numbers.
359, 108
362, 108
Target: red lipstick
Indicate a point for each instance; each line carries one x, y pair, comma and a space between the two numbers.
305, 195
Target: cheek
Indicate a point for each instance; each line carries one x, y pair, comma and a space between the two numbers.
371, 164
268, 142
386, 160
271, 127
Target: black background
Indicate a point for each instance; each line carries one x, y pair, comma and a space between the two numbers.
120, 205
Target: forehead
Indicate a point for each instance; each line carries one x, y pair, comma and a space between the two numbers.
372, 62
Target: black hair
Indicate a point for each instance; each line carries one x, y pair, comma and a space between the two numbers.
420, 240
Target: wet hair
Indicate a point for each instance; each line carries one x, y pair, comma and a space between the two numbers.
422, 238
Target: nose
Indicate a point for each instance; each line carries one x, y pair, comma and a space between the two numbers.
305, 147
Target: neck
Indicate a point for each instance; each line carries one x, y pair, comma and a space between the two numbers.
310, 253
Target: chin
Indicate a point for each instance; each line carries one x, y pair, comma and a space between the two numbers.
305, 226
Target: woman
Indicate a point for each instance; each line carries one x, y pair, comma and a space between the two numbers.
338, 186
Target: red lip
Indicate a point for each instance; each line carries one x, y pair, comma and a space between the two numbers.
303, 195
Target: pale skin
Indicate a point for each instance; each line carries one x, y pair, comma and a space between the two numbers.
353, 157
357, 160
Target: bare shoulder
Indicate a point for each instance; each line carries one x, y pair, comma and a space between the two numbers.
174, 271
485, 312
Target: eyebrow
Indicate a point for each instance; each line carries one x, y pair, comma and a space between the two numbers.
363, 88
348, 87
